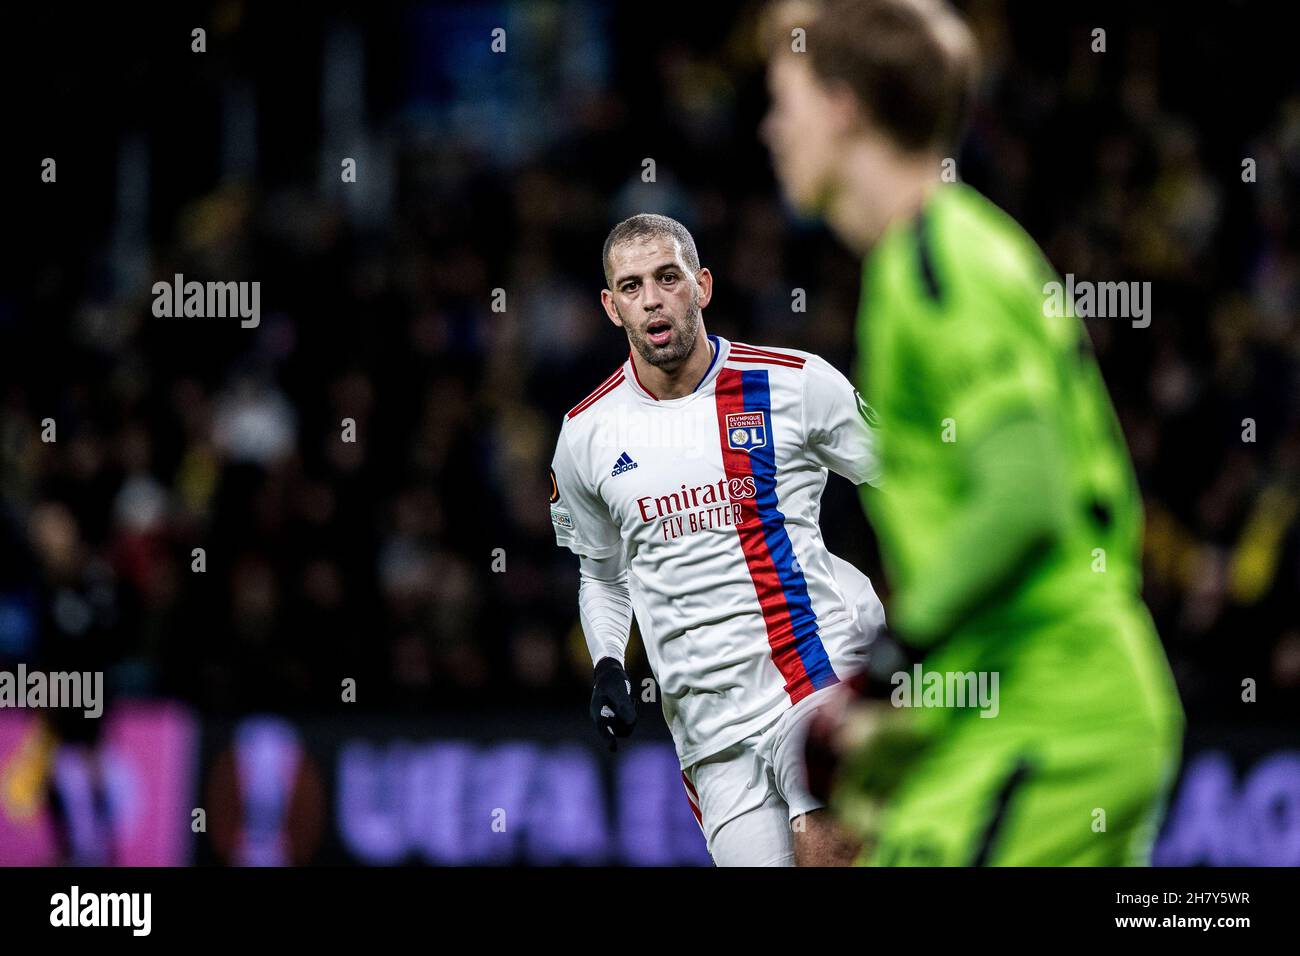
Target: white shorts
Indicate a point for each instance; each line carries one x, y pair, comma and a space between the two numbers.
746, 796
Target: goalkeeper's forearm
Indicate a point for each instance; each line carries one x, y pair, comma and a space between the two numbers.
604, 606
1017, 508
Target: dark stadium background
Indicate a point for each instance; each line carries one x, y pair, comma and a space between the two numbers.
374, 560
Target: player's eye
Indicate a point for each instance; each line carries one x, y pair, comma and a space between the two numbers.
668, 278
628, 288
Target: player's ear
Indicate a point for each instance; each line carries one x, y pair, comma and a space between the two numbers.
611, 310
843, 109
705, 278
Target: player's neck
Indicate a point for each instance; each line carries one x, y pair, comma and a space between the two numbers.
681, 380
880, 187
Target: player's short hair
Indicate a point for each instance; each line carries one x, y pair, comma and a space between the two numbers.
649, 225
912, 64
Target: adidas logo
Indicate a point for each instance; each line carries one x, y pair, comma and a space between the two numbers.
624, 463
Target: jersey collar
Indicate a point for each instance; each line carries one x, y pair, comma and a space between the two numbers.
721, 347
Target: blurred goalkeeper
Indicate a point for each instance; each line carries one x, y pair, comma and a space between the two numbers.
689, 483
1008, 514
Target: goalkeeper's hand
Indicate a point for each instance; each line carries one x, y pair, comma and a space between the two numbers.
859, 745
612, 708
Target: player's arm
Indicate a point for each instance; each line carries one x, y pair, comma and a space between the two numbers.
605, 609
1014, 511
837, 424
994, 371
583, 524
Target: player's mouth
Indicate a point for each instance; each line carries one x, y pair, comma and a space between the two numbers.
659, 332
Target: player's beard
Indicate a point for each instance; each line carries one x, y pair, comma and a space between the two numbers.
685, 331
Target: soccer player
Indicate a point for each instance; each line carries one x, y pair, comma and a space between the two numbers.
1008, 514
689, 483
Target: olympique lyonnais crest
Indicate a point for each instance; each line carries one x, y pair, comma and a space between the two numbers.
746, 430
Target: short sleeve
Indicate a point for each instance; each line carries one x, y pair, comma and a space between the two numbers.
580, 519
838, 424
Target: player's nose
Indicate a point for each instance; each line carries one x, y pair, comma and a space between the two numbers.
651, 298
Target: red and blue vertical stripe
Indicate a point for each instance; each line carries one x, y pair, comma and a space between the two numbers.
792, 631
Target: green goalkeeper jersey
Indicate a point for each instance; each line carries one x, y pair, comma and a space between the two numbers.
993, 413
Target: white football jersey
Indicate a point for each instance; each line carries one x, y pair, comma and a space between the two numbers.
713, 500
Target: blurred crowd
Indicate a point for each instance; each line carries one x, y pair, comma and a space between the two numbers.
418, 559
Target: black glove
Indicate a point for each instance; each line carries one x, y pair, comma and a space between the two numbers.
873, 685
887, 655
612, 708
